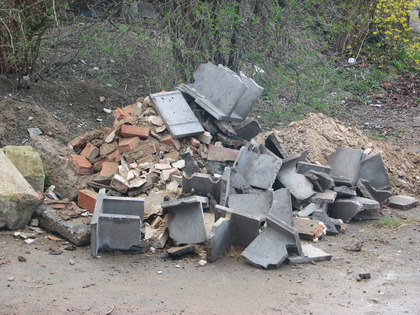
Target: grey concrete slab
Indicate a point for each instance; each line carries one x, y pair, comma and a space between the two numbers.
239, 183
303, 167
219, 239
244, 227
204, 184
370, 192
281, 207
75, 230
368, 204
259, 170
216, 89
300, 187
273, 244
177, 114
333, 225
308, 210
345, 192
248, 98
116, 222
373, 170
310, 253
190, 166
320, 180
255, 204
403, 202
273, 144
327, 196
345, 209
247, 129
345, 165
186, 220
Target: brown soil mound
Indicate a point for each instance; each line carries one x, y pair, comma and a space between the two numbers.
321, 135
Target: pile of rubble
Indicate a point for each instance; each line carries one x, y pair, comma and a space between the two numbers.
188, 166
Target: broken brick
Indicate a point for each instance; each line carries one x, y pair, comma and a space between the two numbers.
80, 164
87, 199
134, 131
128, 144
221, 154
194, 142
109, 169
90, 151
171, 141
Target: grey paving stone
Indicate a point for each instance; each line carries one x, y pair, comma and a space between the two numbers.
403, 202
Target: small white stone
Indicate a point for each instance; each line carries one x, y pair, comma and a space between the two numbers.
30, 118
11, 279
29, 241
159, 272
71, 262
108, 111
202, 262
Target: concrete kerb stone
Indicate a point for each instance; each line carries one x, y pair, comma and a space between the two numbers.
303, 167
259, 170
217, 89
255, 204
320, 180
219, 239
373, 170
300, 187
273, 144
186, 220
345, 209
402, 202
176, 113
333, 225
244, 227
310, 253
345, 192
203, 184
327, 196
247, 129
273, 244
368, 204
281, 207
116, 222
345, 165
370, 192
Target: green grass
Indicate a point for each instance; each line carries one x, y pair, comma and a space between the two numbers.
390, 222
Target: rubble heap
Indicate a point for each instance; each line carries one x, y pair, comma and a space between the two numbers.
189, 166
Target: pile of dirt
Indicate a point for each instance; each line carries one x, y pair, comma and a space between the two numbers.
321, 135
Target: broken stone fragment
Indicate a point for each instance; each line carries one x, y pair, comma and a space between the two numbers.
403, 202
119, 183
309, 229
309, 254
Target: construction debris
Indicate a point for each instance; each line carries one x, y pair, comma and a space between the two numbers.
189, 166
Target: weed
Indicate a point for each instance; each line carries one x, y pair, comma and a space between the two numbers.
390, 222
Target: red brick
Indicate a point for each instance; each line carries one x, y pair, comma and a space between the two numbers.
174, 155
40, 195
171, 141
76, 141
109, 169
146, 159
87, 199
134, 131
90, 151
114, 156
59, 206
80, 164
128, 144
162, 166
128, 109
120, 114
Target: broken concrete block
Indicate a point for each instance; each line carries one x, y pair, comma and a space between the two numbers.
259, 170
247, 129
116, 222
273, 244
255, 204
54, 157
17, 198
221, 154
247, 100
219, 239
76, 230
403, 202
186, 220
345, 192
370, 192
309, 254
300, 187
320, 180
309, 209
244, 228
177, 114
239, 183
327, 196
345, 165
368, 204
29, 164
216, 89
333, 225
373, 170
345, 209
273, 144
281, 207
309, 229
203, 184
303, 167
